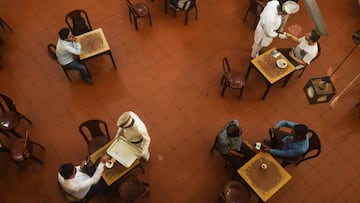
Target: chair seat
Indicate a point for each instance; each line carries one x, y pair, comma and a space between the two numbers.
18, 153
9, 120
140, 9
96, 143
236, 79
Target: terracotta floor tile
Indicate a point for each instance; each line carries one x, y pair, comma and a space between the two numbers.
169, 74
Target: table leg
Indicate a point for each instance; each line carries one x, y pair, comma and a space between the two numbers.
266, 91
112, 59
287, 79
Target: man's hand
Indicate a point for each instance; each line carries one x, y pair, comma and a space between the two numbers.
105, 158
266, 149
75, 39
234, 153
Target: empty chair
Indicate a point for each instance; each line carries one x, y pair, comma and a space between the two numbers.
138, 10
231, 78
132, 188
313, 151
79, 23
23, 148
52, 54
9, 116
95, 133
255, 7
184, 5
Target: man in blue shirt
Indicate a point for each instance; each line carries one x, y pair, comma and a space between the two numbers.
290, 145
230, 145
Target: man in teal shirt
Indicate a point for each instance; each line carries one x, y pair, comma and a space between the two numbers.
291, 145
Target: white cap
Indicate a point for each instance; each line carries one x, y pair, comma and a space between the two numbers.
124, 120
290, 7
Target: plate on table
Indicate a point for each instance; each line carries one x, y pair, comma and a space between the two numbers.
281, 63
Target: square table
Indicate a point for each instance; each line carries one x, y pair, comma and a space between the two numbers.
265, 64
264, 182
94, 43
111, 175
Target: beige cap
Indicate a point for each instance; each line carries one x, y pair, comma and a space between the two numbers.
124, 120
290, 7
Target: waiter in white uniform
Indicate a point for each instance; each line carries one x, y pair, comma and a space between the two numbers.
135, 131
269, 23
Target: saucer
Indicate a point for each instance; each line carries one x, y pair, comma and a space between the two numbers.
281, 63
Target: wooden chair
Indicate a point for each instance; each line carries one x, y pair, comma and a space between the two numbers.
23, 148
313, 151
52, 53
132, 188
138, 10
79, 23
10, 117
232, 79
188, 5
255, 7
96, 135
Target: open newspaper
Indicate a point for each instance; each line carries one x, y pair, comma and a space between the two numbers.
123, 151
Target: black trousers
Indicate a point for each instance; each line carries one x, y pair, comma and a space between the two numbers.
99, 186
237, 162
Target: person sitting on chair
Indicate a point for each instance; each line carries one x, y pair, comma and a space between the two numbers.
282, 144
134, 130
304, 52
83, 181
66, 47
230, 144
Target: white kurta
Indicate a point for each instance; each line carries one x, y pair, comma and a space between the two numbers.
269, 23
136, 133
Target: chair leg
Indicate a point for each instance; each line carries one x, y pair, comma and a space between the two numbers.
35, 157
223, 89
136, 24
130, 16
301, 72
186, 17
196, 14
149, 16
247, 11
24, 117
241, 91
67, 75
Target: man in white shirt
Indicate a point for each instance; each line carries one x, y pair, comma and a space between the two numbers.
81, 183
305, 51
68, 46
135, 131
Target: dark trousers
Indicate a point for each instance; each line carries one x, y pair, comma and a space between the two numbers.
77, 65
285, 52
237, 162
99, 186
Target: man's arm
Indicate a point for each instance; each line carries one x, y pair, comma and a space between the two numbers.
234, 153
292, 37
285, 123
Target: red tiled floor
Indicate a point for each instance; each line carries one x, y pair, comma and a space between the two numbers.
169, 74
